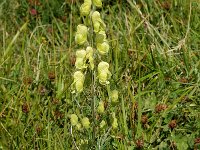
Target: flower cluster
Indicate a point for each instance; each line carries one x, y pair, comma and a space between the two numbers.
85, 57
74, 122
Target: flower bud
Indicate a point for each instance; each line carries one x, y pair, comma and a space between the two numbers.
81, 34
97, 3
85, 122
114, 96
74, 119
79, 81
101, 108
103, 48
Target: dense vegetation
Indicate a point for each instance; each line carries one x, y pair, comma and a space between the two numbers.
154, 59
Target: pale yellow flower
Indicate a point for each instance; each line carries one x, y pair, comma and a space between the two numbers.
81, 34
114, 96
89, 56
74, 119
78, 126
97, 22
103, 48
86, 7
80, 59
79, 81
102, 124
103, 73
85, 122
101, 108
101, 37
97, 3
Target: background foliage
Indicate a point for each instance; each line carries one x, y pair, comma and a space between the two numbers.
154, 61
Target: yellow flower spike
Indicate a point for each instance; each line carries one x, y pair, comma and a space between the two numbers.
114, 96
97, 3
89, 56
101, 108
81, 34
74, 119
103, 48
85, 122
103, 73
80, 59
86, 7
79, 81
102, 124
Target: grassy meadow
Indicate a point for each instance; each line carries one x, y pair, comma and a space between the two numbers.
154, 62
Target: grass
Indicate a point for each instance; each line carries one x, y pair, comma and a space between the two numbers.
154, 61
